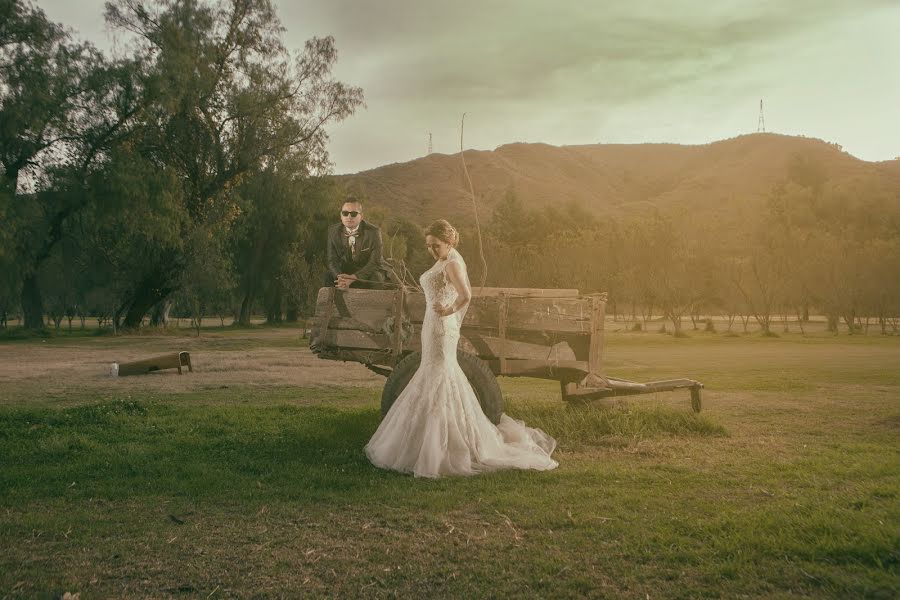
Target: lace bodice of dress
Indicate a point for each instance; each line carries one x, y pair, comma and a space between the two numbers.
438, 288
440, 334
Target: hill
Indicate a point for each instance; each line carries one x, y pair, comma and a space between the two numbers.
725, 182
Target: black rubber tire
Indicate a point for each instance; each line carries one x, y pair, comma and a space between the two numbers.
487, 390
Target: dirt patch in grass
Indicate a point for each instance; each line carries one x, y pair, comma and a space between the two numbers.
46, 372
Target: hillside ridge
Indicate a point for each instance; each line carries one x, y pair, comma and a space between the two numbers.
720, 180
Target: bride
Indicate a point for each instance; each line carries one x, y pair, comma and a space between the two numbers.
436, 426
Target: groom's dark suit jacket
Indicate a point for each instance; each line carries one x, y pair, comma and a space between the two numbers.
368, 253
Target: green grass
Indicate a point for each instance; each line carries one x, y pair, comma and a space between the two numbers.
780, 490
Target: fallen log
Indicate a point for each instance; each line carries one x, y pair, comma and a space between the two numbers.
176, 360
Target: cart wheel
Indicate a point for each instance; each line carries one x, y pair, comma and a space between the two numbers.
487, 390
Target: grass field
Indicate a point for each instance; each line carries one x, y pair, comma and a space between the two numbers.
247, 477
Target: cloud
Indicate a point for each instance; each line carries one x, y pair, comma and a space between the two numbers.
605, 53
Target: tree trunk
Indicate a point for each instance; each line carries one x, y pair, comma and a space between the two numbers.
144, 299
134, 316
246, 305
273, 310
272, 302
648, 315
694, 319
160, 315
292, 314
832, 323
251, 287
32, 304
850, 320
117, 319
800, 321
250, 291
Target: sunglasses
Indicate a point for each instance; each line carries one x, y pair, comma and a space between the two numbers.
349, 213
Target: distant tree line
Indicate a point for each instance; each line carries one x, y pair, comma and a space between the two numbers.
190, 172
829, 248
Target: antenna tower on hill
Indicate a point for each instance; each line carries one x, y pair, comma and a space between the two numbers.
761, 125
430, 150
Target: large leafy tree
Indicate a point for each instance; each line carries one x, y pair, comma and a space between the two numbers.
277, 238
227, 100
135, 222
43, 73
49, 84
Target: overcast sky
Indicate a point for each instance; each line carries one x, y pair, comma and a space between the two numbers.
600, 71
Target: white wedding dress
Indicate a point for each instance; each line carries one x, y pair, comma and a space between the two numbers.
436, 426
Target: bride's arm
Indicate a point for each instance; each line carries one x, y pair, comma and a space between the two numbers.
459, 281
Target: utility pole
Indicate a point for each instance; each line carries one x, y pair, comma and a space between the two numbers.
761, 125
430, 150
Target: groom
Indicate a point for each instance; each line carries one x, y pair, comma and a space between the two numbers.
354, 251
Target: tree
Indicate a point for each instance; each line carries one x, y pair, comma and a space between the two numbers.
61, 282
227, 101
733, 303
208, 277
760, 281
881, 291
46, 82
665, 264
280, 220
134, 219
791, 222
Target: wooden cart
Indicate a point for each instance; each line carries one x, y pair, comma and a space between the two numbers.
517, 332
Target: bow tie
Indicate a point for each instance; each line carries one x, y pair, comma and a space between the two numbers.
351, 234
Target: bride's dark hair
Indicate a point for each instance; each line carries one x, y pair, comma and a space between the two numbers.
444, 231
